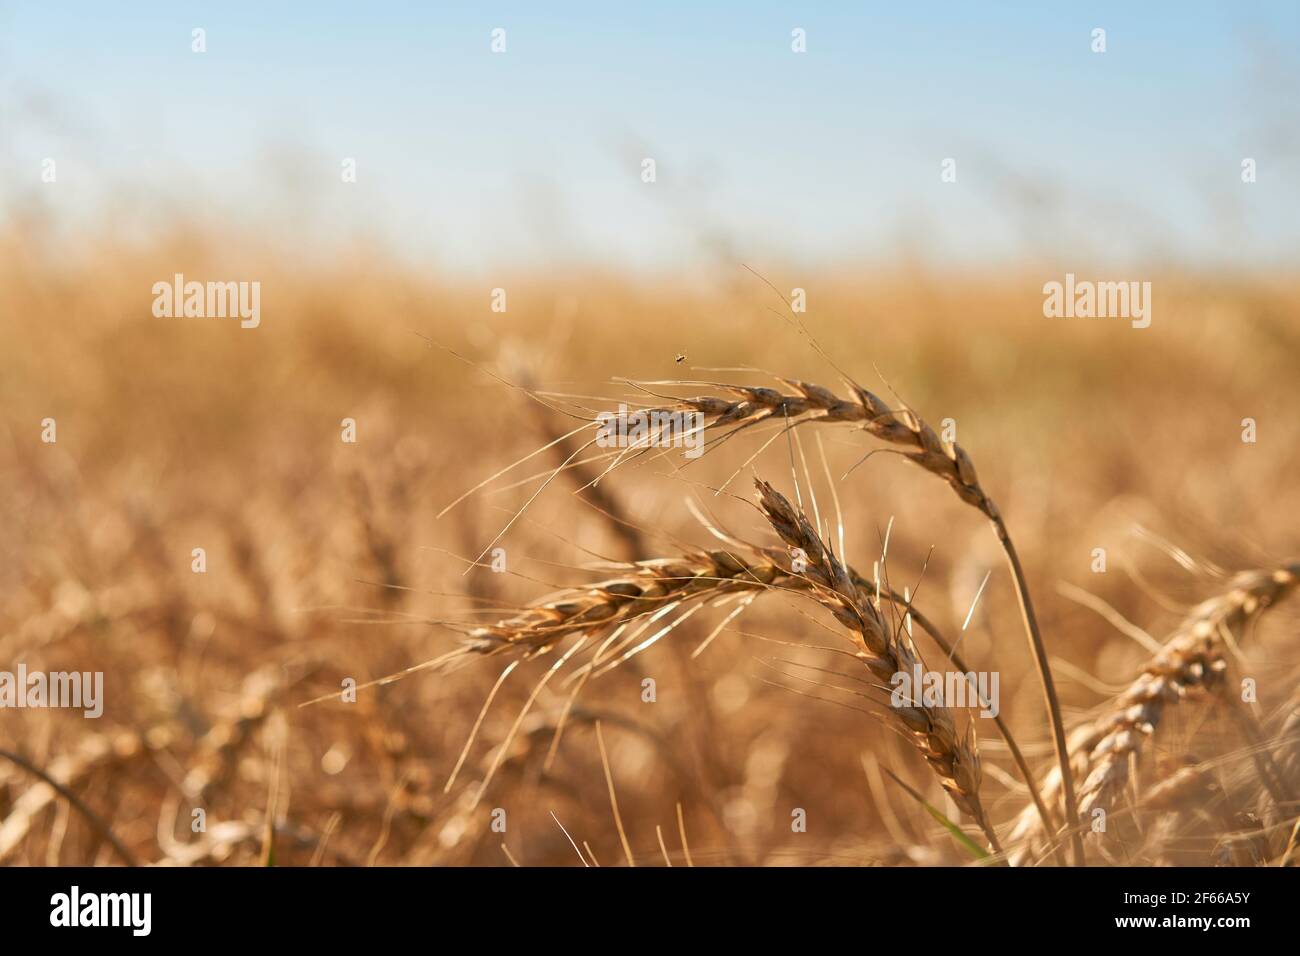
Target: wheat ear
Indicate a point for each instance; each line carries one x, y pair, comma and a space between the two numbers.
943, 458
651, 585
648, 587
886, 651
1193, 658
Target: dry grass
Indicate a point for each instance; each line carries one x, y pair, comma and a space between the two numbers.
329, 561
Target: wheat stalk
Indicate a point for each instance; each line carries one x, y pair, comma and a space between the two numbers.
1192, 659
651, 585
815, 403
654, 585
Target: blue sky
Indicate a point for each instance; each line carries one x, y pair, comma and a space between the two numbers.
473, 159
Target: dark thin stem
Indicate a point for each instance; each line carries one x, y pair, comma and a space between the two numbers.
99, 825
992, 837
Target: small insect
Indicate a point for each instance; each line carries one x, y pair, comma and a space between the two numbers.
681, 357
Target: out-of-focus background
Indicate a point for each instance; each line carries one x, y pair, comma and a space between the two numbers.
127, 157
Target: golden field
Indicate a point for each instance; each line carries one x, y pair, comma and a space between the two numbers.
327, 560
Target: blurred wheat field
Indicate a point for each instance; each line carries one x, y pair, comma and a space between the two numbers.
326, 560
